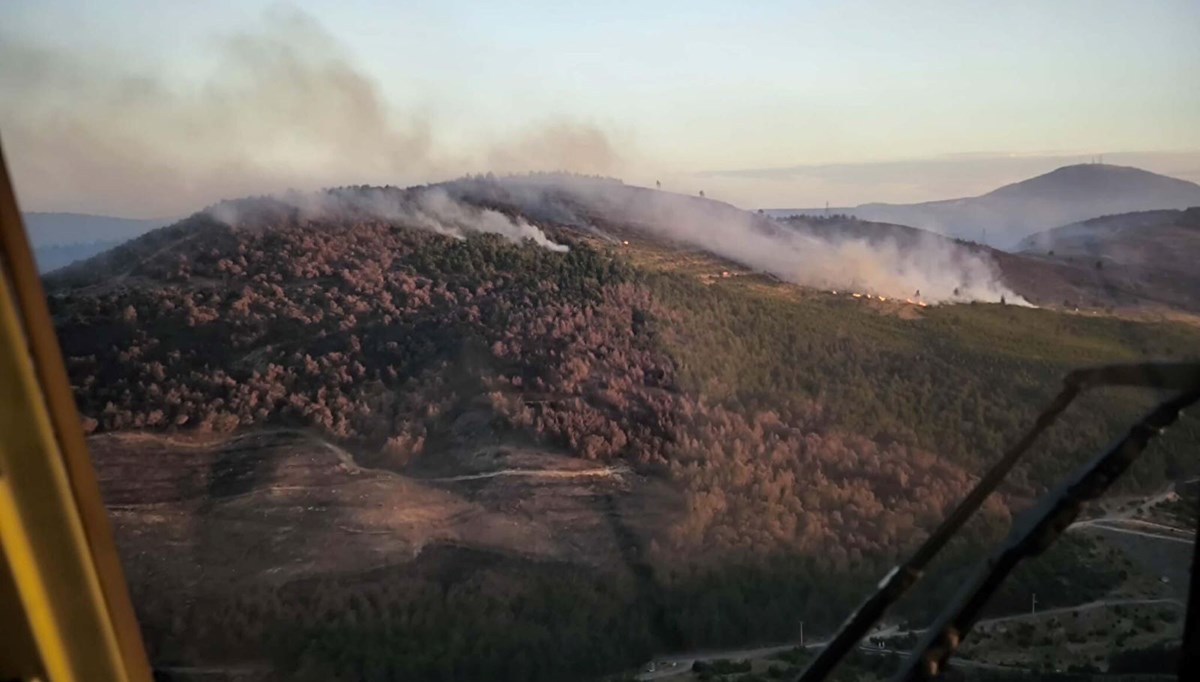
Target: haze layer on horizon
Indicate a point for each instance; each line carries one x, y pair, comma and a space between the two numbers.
154, 109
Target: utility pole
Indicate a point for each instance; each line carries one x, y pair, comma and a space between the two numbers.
1033, 604
801, 634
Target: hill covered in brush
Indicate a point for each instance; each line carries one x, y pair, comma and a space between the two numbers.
521, 429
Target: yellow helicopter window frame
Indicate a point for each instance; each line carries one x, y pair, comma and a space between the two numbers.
65, 613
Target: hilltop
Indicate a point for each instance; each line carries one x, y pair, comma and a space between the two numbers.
1010, 213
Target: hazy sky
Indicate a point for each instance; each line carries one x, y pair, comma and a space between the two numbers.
158, 108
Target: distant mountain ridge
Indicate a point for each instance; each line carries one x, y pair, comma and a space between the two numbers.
57, 229
59, 239
50, 258
1010, 213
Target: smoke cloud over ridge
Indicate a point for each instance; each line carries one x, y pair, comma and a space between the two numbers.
941, 269
282, 107
285, 107
430, 209
895, 265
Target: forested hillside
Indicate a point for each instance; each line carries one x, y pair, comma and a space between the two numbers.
806, 439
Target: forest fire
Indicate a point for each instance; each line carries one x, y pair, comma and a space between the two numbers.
883, 299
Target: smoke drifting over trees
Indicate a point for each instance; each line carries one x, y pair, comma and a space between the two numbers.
428, 209
942, 270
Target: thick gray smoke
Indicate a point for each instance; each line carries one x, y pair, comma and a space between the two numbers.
941, 269
435, 210
284, 106
427, 209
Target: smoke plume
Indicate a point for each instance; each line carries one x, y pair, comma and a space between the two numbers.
941, 269
283, 106
429, 208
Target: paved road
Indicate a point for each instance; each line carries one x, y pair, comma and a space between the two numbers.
1116, 521
1101, 603
1121, 522
677, 664
1110, 525
1159, 526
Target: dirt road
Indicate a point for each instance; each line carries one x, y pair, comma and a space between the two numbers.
599, 472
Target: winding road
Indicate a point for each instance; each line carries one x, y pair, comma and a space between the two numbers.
599, 472
1117, 522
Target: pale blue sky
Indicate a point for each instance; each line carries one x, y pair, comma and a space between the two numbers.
676, 88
